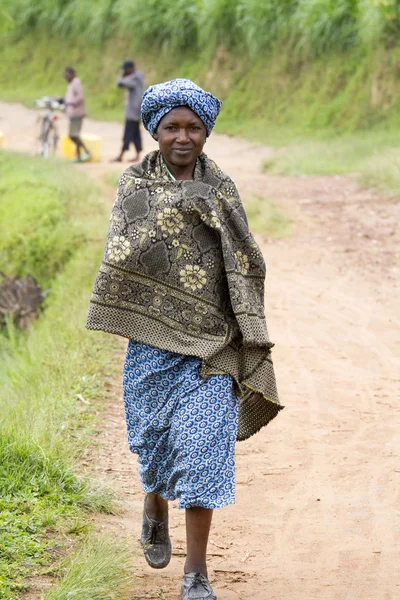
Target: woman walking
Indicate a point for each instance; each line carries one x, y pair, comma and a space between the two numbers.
183, 279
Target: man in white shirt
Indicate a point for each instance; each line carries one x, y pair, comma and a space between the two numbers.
75, 109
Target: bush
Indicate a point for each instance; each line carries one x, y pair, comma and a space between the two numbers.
39, 233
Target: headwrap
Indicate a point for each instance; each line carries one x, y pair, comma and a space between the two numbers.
159, 99
182, 272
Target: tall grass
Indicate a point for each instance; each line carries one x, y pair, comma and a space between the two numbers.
323, 25
268, 98
312, 26
159, 23
307, 64
284, 69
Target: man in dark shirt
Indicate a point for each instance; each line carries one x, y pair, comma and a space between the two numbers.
133, 82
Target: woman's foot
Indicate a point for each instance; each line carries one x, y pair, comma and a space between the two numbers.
155, 538
195, 586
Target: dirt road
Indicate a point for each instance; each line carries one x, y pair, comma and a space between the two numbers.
317, 512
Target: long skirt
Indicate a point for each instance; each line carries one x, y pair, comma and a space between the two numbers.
182, 427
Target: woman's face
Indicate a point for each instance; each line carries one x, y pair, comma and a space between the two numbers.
181, 135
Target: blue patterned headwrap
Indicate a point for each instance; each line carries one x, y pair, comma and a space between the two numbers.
159, 99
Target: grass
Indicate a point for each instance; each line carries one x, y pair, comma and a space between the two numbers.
265, 217
273, 95
309, 27
112, 177
383, 171
373, 156
99, 570
38, 215
45, 373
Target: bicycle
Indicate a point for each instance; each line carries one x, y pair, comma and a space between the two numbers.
48, 135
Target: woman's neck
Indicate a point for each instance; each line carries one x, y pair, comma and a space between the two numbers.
180, 173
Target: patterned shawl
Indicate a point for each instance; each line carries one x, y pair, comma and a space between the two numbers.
182, 272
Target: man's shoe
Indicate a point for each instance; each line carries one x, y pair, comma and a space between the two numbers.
196, 586
85, 157
155, 542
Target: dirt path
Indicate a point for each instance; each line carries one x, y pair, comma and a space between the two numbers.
317, 512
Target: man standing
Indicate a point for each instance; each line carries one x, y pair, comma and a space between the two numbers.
76, 109
133, 81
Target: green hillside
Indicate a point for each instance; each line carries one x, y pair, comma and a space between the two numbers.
279, 65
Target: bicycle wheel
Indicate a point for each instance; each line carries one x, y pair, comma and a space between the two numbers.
44, 139
54, 139
44, 148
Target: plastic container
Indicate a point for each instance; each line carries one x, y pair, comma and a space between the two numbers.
93, 143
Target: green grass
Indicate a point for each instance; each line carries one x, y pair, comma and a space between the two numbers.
265, 217
383, 171
112, 177
373, 156
309, 27
99, 570
44, 425
40, 228
274, 96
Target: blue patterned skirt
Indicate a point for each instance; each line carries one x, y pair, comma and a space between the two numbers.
182, 427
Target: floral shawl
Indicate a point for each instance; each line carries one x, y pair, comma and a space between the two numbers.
182, 272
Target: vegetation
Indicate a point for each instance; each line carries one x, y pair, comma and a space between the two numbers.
98, 571
52, 379
265, 217
282, 67
374, 156
312, 27
40, 226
